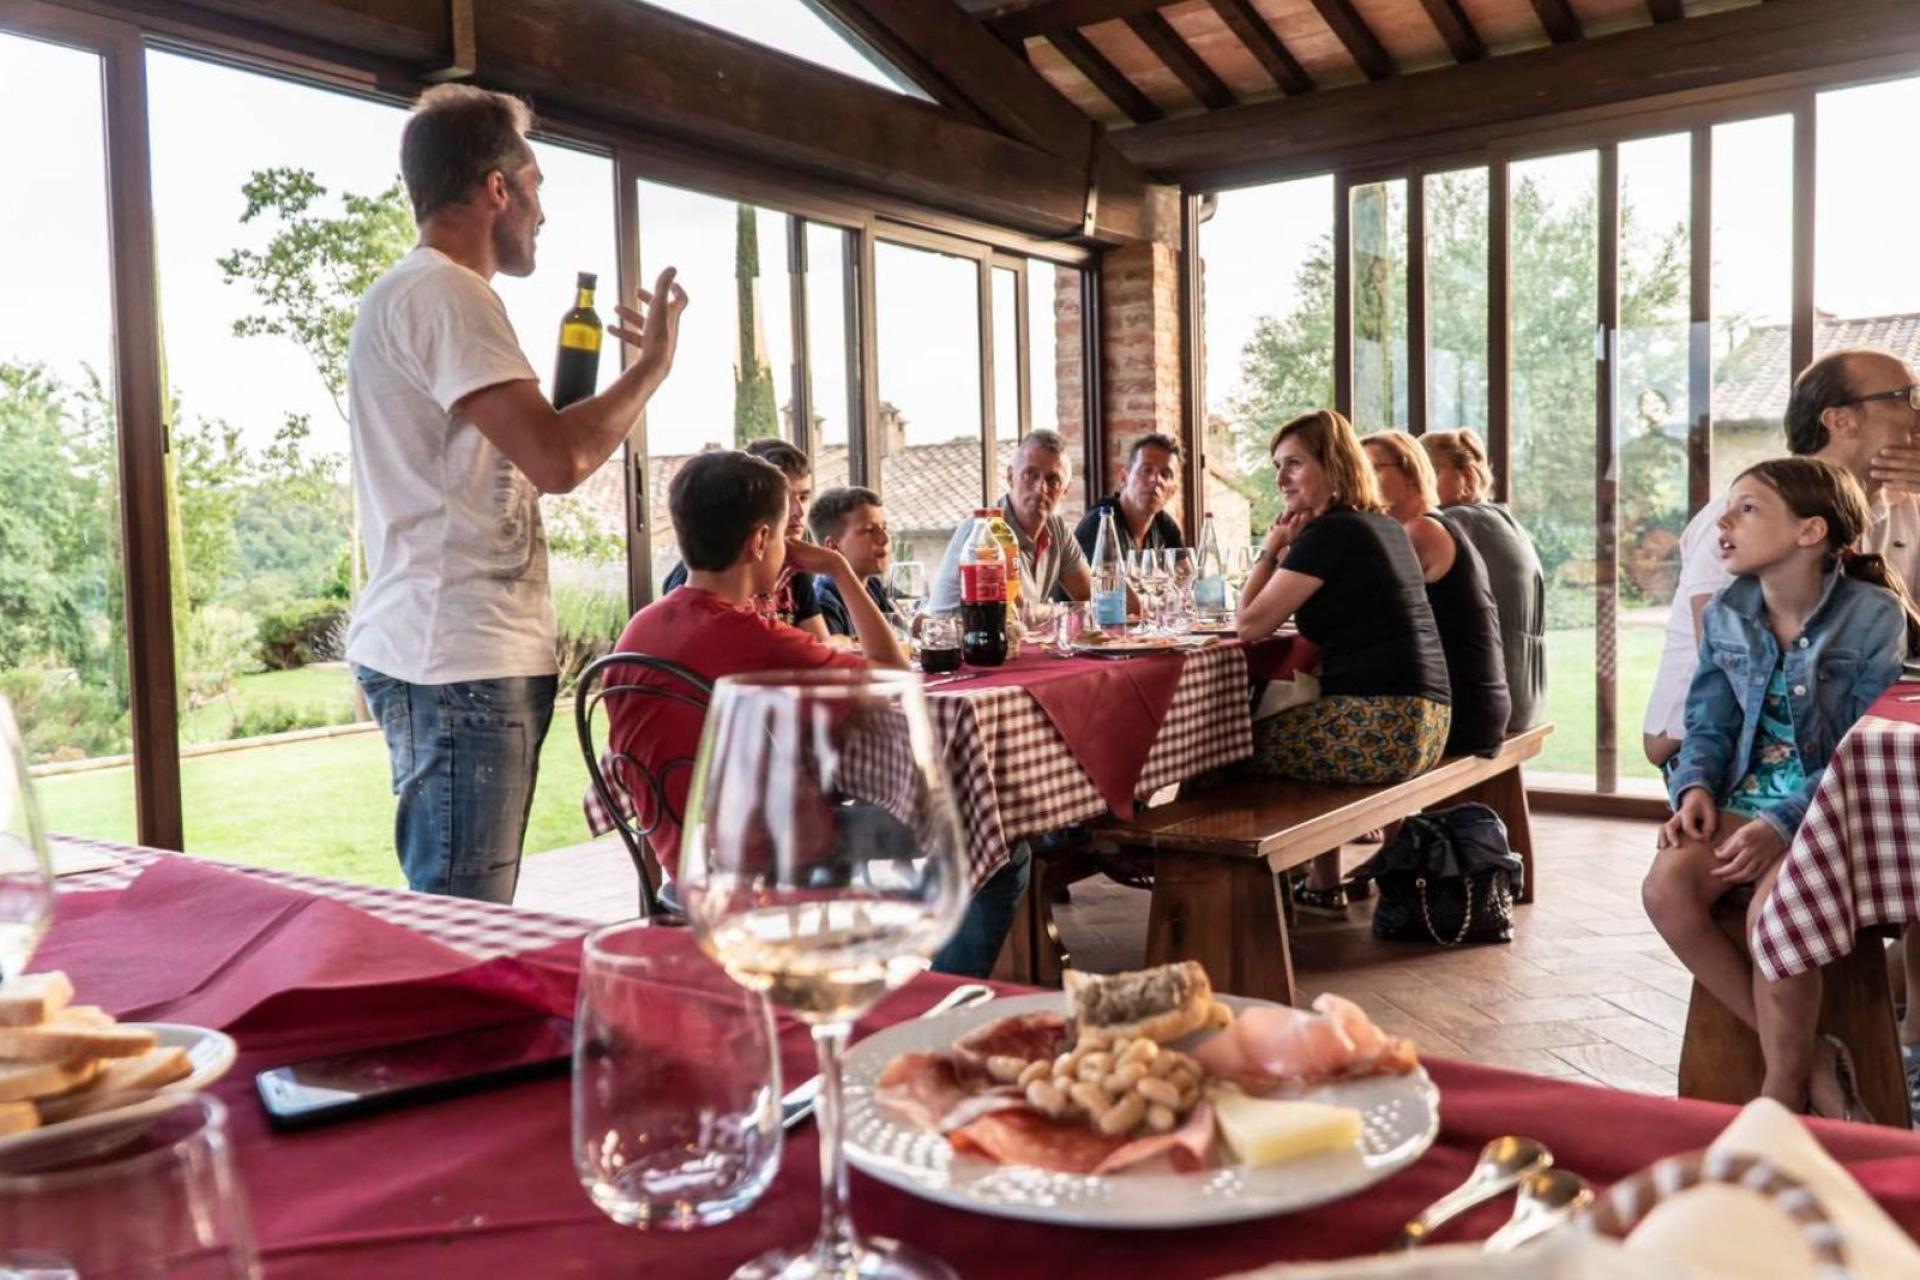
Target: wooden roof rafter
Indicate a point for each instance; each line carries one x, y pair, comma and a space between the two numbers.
1264, 43
1456, 28
1159, 36
1353, 32
1557, 16
1104, 76
1666, 10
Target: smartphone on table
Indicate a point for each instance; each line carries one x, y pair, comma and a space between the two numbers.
335, 1087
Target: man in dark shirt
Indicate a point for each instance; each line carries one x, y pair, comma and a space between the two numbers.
1139, 508
794, 600
852, 522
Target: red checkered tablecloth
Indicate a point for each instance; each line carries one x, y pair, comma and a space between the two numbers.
1856, 860
1014, 776
484, 930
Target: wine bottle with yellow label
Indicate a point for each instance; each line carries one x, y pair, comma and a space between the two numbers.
576, 370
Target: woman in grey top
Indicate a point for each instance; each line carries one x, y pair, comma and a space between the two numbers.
1513, 567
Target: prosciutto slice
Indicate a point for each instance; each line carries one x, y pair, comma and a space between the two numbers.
1187, 1148
1271, 1046
1026, 1036
1024, 1136
925, 1090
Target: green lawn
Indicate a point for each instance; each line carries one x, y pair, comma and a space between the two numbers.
1571, 697
321, 805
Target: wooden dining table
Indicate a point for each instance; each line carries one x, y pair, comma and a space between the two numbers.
295, 966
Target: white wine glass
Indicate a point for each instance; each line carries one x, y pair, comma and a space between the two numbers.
26, 866
823, 867
907, 584
1181, 568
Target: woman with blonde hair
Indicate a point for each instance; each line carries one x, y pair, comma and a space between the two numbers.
1463, 480
1456, 578
1335, 561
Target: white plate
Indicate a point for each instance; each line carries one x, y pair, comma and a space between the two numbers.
211, 1053
1401, 1116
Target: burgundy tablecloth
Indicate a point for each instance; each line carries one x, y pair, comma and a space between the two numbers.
484, 1185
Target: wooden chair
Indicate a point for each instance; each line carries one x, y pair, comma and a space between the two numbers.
1720, 1058
1219, 859
616, 796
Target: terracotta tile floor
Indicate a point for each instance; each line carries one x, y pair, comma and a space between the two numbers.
1586, 991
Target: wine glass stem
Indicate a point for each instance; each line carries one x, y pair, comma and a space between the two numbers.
837, 1239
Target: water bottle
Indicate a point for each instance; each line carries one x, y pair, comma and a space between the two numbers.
1109, 579
1210, 580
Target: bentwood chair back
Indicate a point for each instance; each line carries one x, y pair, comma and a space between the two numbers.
617, 775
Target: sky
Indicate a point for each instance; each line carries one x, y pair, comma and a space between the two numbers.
212, 126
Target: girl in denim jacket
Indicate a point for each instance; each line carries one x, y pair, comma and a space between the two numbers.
1792, 652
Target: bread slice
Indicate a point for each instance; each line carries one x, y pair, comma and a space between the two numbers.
26, 1081
120, 1082
18, 1117
63, 1040
1162, 1003
34, 998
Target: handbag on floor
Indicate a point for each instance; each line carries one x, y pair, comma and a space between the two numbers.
1448, 878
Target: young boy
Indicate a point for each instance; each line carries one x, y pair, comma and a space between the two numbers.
852, 522
730, 516
792, 599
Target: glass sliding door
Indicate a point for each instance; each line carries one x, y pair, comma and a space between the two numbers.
1380, 368
1456, 222
1752, 292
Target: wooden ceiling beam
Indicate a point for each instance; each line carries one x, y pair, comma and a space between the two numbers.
1666, 10
1160, 37
634, 70
1557, 16
1353, 32
1647, 72
1106, 77
1264, 43
1456, 28
1024, 18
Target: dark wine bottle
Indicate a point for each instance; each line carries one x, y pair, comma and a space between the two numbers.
576, 370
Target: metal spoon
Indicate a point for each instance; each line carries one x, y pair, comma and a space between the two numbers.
1502, 1164
797, 1105
1545, 1200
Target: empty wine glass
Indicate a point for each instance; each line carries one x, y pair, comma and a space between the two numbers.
907, 584
822, 866
1181, 567
26, 866
676, 1082
1135, 563
145, 1191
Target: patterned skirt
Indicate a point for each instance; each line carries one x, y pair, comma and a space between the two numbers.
1342, 738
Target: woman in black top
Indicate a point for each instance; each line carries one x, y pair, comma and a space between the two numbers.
1457, 588
1336, 562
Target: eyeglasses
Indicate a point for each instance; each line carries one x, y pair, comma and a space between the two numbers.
1909, 394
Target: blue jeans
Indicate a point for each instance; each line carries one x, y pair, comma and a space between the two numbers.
971, 951
465, 756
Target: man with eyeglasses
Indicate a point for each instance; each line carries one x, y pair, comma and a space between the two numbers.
1049, 556
1858, 409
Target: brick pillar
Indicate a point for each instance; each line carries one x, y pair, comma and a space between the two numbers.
1140, 359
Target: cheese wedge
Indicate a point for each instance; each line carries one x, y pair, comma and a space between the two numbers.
1269, 1130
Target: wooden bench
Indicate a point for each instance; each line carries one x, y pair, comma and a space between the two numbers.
1219, 859
1720, 1057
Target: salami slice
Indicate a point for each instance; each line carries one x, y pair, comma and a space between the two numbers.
925, 1090
1026, 1137
1025, 1036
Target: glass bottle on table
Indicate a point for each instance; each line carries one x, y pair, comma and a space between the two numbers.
1109, 576
576, 367
1210, 582
1009, 555
823, 867
26, 864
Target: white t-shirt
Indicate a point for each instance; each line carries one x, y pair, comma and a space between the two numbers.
456, 554
1894, 533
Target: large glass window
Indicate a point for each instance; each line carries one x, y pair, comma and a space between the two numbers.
1379, 230
1266, 258
834, 383
800, 30
265, 244
63, 656
1867, 282
1456, 221
927, 310
1056, 362
1554, 228
1752, 291
1651, 415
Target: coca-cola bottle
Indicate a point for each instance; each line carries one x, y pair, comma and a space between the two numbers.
983, 595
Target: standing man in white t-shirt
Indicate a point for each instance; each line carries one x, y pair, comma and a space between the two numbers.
1858, 409
453, 442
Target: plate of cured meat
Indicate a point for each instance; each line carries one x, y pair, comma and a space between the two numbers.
1138, 1100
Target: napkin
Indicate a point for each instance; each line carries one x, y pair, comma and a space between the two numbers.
190, 943
1736, 1233
1567, 1256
